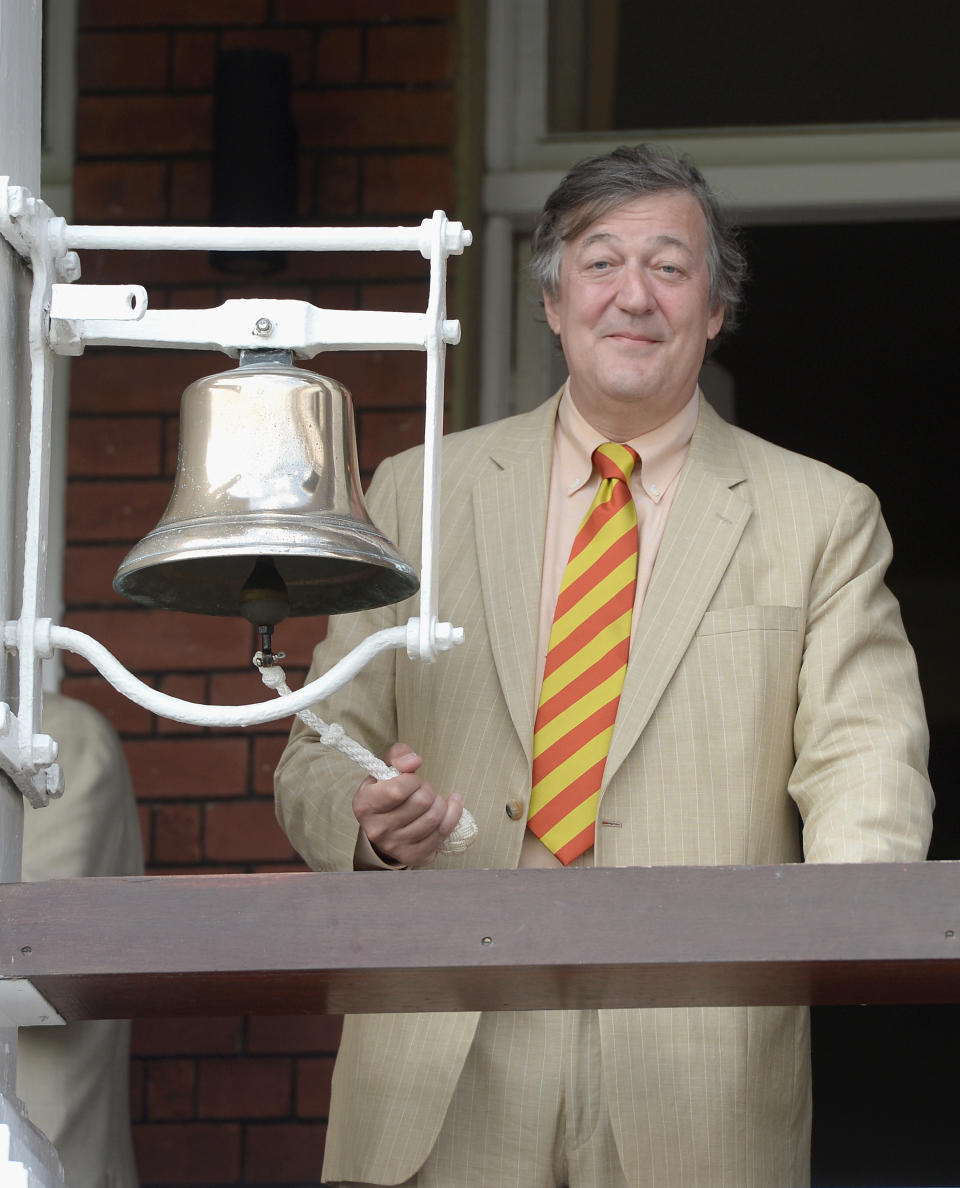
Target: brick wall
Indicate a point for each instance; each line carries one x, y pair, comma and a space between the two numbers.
232, 1100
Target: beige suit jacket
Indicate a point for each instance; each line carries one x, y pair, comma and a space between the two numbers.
769, 673
73, 1079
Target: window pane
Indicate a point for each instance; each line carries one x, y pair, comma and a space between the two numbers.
696, 65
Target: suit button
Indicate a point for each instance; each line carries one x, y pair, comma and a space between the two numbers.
514, 809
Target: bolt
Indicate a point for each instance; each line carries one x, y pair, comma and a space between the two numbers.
487, 940
263, 328
949, 934
26, 950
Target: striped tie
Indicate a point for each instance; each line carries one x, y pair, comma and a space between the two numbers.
586, 662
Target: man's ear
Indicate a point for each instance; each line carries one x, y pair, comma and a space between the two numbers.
715, 321
551, 309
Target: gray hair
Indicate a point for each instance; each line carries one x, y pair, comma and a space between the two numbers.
597, 185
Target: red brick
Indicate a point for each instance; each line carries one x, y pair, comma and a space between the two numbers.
120, 126
149, 268
124, 715
189, 768
122, 61
266, 755
108, 13
136, 1080
176, 833
160, 641
245, 831
171, 447
313, 1087
88, 574
410, 54
294, 1033
384, 433
284, 1153
188, 687
189, 268
137, 381
118, 446
190, 195
267, 288
336, 187
199, 297
120, 193
370, 119
123, 511
339, 55
412, 184
184, 1037
364, 10
405, 298
243, 687
295, 43
146, 830
245, 1088
194, 60
187, 1152
171, 1088
379, 379
333, 296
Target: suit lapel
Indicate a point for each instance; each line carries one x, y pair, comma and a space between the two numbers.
705, 524
510, 511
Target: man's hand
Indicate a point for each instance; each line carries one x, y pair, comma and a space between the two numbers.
403, 818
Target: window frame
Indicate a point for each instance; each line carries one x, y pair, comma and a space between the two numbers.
827, 173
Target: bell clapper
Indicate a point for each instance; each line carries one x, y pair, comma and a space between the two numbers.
265, 654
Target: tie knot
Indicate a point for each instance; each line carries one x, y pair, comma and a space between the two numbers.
615, 461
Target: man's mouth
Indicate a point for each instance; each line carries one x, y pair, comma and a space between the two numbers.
628, 336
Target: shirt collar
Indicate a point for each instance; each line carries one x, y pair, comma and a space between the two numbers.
662, 451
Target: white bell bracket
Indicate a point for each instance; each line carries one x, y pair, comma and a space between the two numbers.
65, 317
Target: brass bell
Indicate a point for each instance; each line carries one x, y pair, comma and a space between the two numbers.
266, 518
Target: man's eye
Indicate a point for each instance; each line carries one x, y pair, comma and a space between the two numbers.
670, 269
598, 265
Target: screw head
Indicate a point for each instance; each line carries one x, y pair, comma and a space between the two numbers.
263, 327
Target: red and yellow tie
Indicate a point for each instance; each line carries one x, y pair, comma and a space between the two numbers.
586, 662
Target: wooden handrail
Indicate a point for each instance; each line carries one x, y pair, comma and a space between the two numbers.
470, 940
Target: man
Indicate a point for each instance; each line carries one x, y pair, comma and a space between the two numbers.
73, 1079
767, 673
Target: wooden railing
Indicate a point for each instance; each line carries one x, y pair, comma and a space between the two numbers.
466, 940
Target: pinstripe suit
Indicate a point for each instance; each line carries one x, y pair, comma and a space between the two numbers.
769, 672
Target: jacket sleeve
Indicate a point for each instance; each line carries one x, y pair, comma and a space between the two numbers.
314, 784
861, 742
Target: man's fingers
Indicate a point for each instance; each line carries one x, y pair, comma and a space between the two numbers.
403, 816
453, 813
403, 757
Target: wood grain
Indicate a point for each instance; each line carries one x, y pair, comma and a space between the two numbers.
443, 941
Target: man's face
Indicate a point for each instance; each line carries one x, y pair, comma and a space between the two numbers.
633, 312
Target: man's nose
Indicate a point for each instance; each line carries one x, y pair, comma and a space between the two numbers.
635, 294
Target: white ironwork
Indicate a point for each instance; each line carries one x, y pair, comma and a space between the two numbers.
22, 1005
66, 317
27, 1158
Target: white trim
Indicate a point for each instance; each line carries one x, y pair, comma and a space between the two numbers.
22, 1005
779, 192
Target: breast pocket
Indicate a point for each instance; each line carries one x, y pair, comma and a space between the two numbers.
751, 618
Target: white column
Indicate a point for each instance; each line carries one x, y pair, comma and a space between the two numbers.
20, 25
